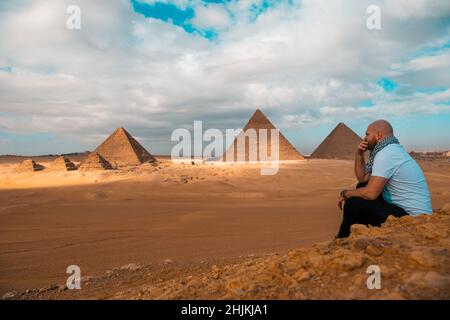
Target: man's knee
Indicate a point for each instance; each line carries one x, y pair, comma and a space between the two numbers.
353, 204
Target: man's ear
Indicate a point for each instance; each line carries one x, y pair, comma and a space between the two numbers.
379, 135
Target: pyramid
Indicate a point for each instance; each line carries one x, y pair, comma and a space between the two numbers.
94, 161
259, 121
341, 143
63, 164
29, 166
121, 149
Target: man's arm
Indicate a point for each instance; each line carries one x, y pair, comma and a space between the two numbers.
369, 192
360, 172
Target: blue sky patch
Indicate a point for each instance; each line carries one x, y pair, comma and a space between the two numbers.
6, 69
169, 12
431, 90
366, 103
387, 84
163, 11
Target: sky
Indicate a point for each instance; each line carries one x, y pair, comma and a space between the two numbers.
154, 66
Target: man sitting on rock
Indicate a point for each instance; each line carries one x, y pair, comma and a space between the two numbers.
390, 183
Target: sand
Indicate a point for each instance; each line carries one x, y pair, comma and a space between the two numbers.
193, 215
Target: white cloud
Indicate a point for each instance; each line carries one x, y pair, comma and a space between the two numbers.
211, 17
407, 9
429, 62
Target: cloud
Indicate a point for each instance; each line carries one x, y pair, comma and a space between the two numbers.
304, 63
430, 62
211, 17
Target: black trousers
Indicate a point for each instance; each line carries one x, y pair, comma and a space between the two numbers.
368, 212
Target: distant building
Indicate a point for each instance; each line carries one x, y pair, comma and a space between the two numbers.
429, 155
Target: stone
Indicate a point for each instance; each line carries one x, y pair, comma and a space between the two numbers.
374, 251
358, 229
423, 257
352, 261
9, 295
361, 243
445, 208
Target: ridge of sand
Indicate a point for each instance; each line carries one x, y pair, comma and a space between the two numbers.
121, 149
257, 122
340, 143
413, 254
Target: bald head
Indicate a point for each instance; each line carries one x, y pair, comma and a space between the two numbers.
376, 131
383, 127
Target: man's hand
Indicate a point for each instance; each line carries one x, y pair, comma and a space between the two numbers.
362, 147
341, 201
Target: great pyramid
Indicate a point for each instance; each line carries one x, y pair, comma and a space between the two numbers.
29, 166
94, 161
341, 143
121, 149
62, 163
259, 121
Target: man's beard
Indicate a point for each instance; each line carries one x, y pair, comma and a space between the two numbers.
371, 145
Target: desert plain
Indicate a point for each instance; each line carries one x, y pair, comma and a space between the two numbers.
170, 219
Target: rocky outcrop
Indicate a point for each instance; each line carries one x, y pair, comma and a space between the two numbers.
412, 253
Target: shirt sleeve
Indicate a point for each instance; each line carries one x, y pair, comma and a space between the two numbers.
383, 165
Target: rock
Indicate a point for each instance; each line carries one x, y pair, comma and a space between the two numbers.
61, 287
430, 279
9, 295
302, 275
374, 251
433, 279
445, 208
408, 219
424, 217
423, 257
168, 261
235, 287
215, 272
131, 267
391, 220
358, 229
353, 261
110, 273
86, 279
362, 243
314, 261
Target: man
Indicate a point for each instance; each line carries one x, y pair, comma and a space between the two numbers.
390, 183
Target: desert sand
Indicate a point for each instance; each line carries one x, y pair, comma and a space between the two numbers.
164, 222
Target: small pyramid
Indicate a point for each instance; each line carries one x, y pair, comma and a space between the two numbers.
259, 121
121, 149
62, 163
341, 143
94, 161
29, 166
